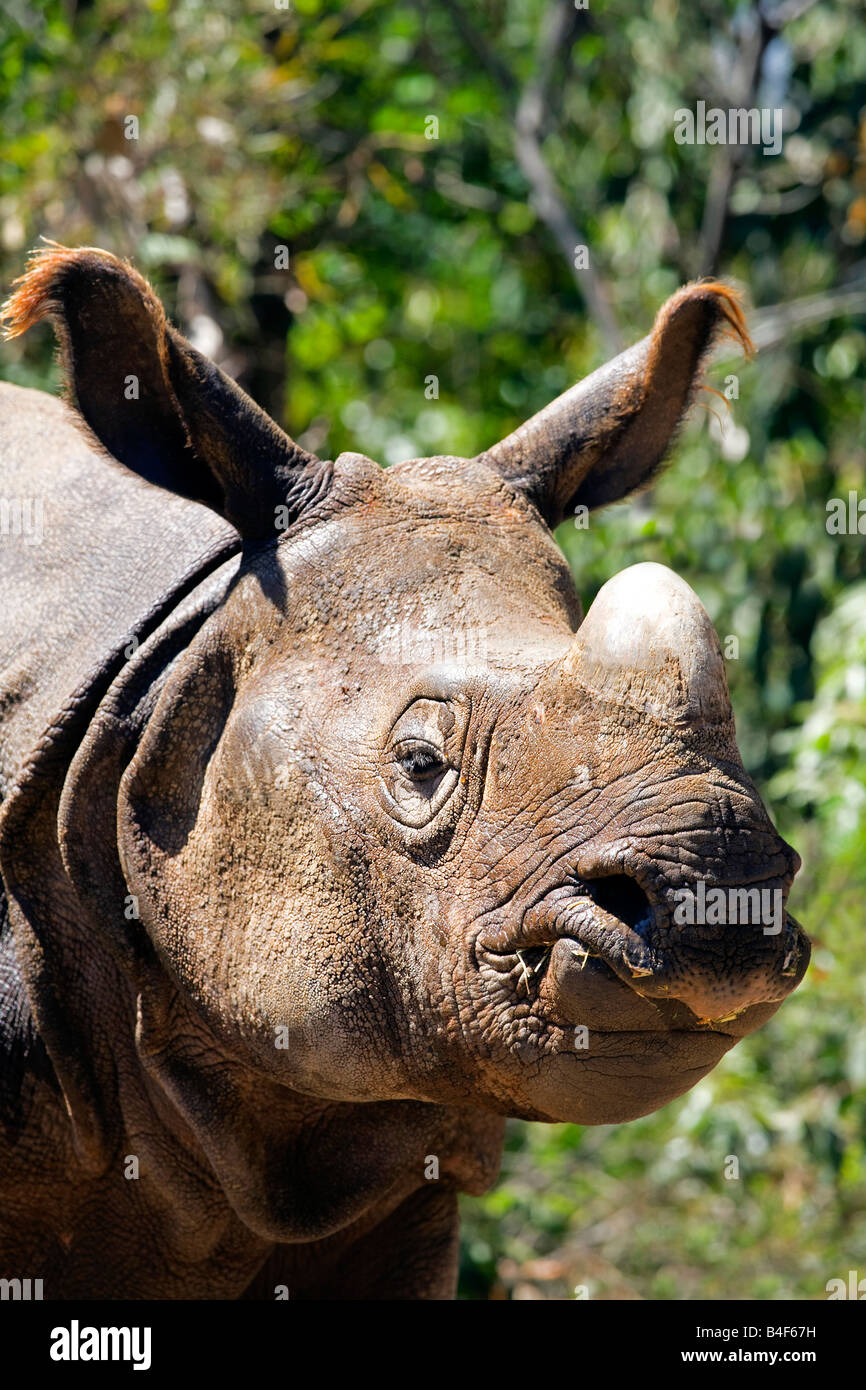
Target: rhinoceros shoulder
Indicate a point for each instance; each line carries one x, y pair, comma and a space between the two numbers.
90, 553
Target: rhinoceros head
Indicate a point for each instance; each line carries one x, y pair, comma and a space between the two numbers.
402, 823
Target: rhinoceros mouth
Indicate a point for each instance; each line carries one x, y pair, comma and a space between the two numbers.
606, 919
595, 943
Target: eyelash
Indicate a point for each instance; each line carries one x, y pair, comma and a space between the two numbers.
420, 762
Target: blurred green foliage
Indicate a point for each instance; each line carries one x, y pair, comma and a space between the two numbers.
413, 257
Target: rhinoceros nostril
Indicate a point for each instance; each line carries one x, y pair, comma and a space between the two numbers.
622, 897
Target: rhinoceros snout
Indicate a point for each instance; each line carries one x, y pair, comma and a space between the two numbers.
755, 955
698, 955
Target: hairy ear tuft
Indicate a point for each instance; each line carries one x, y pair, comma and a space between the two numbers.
152, 400
607, 436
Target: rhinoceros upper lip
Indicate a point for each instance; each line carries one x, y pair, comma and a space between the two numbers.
571, 912
622, 944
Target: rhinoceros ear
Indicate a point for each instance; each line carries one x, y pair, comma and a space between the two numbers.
153, 401
607, 436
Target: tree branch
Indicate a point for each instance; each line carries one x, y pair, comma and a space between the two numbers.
727, 164
558, 28
487, 57
768, 21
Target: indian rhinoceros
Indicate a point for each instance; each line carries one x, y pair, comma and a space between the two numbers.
332, 835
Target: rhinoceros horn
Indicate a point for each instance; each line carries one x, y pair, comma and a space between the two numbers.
153, 400
647, 642
608, 434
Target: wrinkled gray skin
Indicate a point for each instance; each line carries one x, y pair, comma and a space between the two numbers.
342, 859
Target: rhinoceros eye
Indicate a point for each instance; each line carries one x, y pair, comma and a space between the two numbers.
420, 761
421, 765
